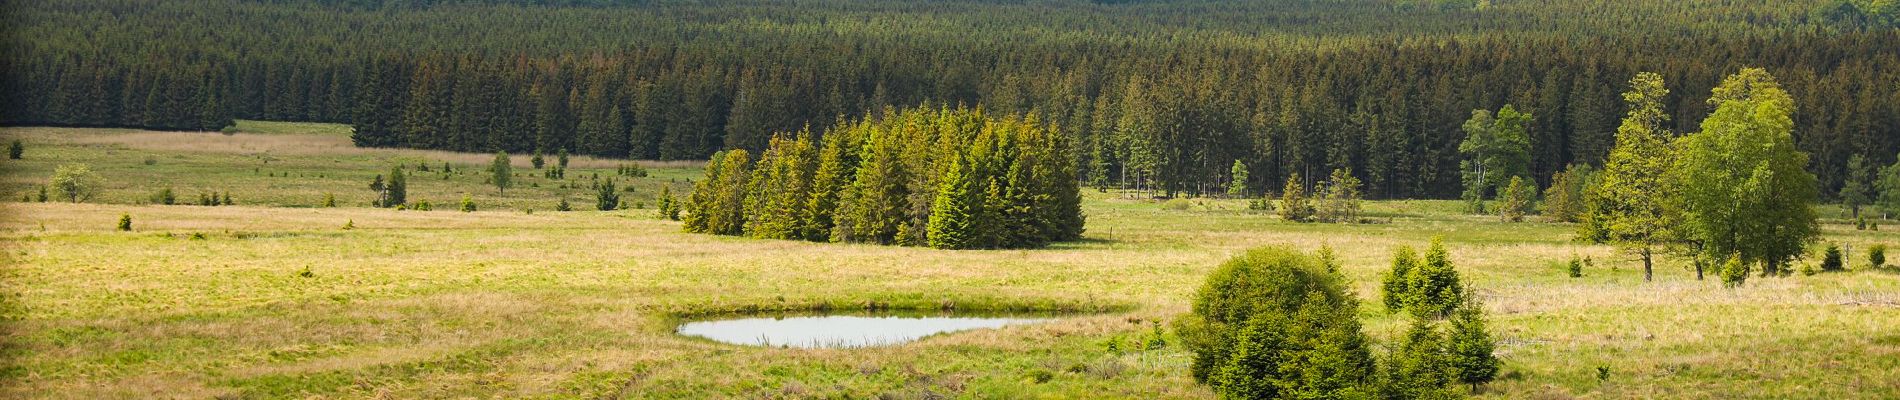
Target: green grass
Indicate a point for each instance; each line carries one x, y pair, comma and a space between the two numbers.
501, 303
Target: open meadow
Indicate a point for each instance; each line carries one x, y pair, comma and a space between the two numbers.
277, 297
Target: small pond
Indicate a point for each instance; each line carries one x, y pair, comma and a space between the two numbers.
845, 331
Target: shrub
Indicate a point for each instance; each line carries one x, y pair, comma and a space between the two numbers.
1734, 272
424, 206
1831, 259
1273, 323
563, 159
165, 196
1576, 267
42, 197
227, 199
125, 222
1262, 203
537, 161
75, 182
563, 206
468, 204
16, 150
349, 224
1860, 224
329, 200
1177, 204
150, 160
1877, 255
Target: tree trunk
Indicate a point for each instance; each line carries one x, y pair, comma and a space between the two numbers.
1648, 271
1698, 268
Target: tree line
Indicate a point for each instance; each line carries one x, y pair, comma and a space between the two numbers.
1161, 96
950, 178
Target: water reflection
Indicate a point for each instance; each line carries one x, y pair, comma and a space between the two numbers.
845, 331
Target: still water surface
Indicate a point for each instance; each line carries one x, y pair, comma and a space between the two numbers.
842, 331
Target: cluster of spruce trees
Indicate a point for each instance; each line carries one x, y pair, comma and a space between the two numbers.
1275, 323
1157, 95
945, 178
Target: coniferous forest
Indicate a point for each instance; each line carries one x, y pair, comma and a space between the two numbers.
1155, 95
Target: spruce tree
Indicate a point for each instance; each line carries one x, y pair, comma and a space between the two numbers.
1471, 347
1519, 198
1237, 180
958, 204
1419, 367
1854, 190
537, 160
698, 203
1395, 289
15, 150
726, 208
668, 207
779, 187
1434, 287
606, 198
502, 170
1340, 200
1294, 206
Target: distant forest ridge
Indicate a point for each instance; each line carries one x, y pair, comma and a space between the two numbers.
1155, 94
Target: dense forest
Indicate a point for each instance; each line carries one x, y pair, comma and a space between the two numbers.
1162, 95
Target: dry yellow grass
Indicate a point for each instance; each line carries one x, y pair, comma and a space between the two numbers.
581, 305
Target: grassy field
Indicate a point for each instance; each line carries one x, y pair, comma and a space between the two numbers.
275, 299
